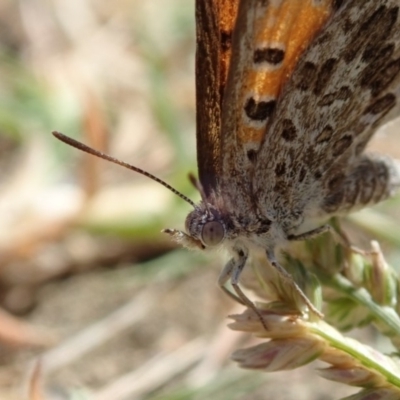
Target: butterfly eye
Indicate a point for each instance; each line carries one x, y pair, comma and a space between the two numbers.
212, 234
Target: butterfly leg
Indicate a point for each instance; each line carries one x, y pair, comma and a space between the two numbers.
232, 272
311, 234
336, 235
289, 279
225, 276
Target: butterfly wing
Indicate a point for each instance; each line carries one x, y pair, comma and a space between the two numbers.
214, 24
345, 86
268, 39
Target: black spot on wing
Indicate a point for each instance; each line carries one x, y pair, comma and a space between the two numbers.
306, 76
268, 55
226, 40
381, 105
280, 169
302, 174
289, 131
343, 94
324, 75
317, 175
341, 145
376, 56
252, 155
384, 77
259, 110
325, 135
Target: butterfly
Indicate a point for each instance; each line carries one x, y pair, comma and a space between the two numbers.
288, 95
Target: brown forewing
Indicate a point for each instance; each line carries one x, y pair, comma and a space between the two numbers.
214, 24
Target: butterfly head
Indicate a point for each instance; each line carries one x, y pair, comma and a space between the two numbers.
205, 224
204, 229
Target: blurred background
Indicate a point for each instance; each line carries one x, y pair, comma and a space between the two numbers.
89, 286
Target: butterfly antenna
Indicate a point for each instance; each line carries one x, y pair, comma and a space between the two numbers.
87, 149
